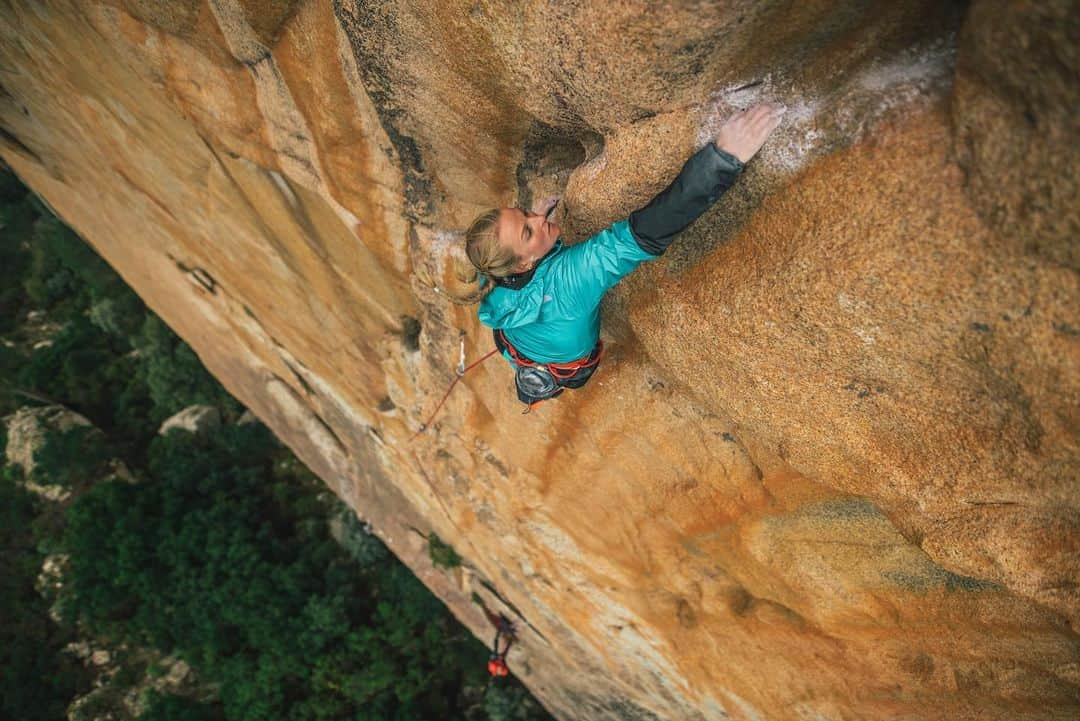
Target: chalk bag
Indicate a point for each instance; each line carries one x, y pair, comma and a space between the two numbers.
535, 383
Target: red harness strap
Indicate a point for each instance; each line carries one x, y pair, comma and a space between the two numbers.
561, 371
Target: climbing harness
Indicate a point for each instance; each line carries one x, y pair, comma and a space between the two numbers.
538, 382
534, 382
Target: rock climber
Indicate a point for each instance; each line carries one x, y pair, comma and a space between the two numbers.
542, 299
503, 628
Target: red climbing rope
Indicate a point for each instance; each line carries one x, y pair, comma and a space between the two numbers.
461, 374
561, 371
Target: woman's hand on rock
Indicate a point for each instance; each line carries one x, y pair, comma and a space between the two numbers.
745, 132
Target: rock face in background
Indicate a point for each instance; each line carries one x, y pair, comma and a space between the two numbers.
193, 419
828, 468
27, 429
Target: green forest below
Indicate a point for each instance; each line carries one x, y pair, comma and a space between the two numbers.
212, 548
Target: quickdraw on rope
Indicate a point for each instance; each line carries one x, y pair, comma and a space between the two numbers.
461, 371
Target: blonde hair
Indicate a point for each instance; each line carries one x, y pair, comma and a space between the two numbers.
489, 258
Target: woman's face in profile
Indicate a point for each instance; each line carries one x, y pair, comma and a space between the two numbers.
529, 234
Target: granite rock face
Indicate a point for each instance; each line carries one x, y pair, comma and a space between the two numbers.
828, 469
1014, 111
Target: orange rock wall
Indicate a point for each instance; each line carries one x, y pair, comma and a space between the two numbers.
828, 467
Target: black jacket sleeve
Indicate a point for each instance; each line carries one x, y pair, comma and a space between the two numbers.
702, 180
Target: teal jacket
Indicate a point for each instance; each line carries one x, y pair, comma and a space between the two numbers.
551, 314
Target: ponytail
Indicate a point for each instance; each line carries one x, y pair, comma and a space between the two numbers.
489, 260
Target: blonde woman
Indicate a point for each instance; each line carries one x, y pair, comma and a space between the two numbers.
542, 299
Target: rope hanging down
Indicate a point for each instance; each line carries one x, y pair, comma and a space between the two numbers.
461, 371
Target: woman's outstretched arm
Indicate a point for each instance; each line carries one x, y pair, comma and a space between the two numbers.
704, 178
597, 264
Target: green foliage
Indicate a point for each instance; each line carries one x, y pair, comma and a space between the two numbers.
52, 284
11, 360
511, 702
67, 277
209, 558
71, 458
365, 549
16, 222
167, 707
90, 366
93, 374
117, 316
101, 703
36, 680
173, 373
48, 267
442, 554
